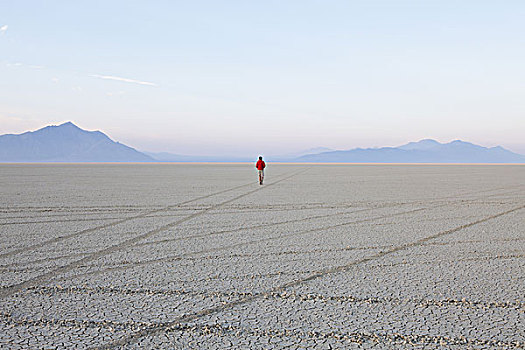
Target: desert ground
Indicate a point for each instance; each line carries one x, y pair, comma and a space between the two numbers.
140, 256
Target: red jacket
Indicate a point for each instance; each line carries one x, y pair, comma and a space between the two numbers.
260, 165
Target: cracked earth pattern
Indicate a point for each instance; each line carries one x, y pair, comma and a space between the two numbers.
180, 256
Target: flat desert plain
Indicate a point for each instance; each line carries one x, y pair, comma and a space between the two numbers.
143, 256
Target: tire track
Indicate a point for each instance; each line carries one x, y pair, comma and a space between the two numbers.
56, 221
255, 256
157, 216
245, 208
235, 210
239, 229
279, 273
290, 222
208, 234
5, 292
243, 228
237, 245
342, 268
67, 213
238, 331
310, 297
82, 209
517, 239
348, 248
268, 225
176, 258
394, 205
111, 224
360, 338
172, 207
169, 259
440, 200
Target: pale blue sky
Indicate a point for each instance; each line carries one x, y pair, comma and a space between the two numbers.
249, 77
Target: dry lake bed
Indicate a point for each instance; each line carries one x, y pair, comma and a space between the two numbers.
319, 257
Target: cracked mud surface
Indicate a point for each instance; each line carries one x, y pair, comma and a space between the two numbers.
320, 257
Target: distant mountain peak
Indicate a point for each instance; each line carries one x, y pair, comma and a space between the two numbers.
64, 125
421, 145
69, 125
66, 143
423, 151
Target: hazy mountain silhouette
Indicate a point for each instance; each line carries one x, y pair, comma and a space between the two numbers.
422, 145
292, 155
66, 143
172, 157
424, 151
69, 143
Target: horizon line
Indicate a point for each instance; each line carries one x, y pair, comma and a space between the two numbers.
232, 163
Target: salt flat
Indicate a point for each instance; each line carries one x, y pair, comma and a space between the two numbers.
321, 256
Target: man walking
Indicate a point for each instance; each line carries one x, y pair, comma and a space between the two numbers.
260, 165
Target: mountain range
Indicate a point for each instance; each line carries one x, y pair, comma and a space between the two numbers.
66, 143
69, 143
424, 151
171, 157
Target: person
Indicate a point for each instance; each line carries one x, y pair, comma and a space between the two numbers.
260, 165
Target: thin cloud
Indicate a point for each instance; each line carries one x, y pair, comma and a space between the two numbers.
125, 80
3, 29
20, 64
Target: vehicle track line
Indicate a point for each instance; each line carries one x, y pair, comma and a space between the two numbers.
419, 242
279, 223
146, 214
82, 209
394, 205
313, 297
114, 223
189, 254
191, 317
255, 256
176, 258
196, 236
289, 222
391, 340
239, 229
5, 292
220, 330
182, 256
55, 221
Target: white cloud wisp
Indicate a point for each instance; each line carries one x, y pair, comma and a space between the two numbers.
3, 29
125, 80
